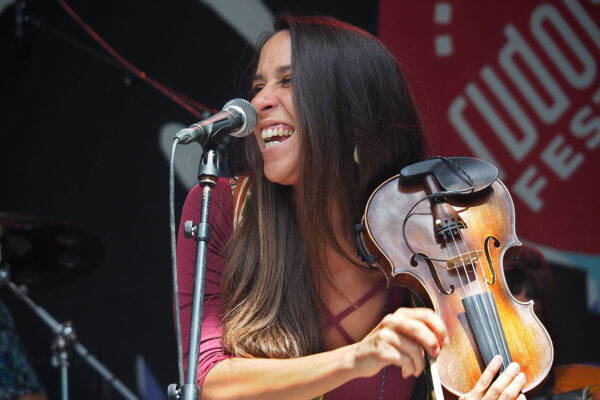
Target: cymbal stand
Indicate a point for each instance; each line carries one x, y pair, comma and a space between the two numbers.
60, 355
64, 341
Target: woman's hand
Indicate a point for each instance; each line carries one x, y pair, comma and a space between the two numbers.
399, 339
507, 386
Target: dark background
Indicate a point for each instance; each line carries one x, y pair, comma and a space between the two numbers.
79, 141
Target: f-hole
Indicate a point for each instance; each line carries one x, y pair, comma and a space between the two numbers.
489, 257
433, 271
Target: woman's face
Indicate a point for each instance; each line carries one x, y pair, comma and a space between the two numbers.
276, 128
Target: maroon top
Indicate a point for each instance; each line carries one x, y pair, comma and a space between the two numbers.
211, 348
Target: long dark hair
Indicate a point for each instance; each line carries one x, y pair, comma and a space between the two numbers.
349, 94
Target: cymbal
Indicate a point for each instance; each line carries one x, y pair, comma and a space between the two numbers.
44, 251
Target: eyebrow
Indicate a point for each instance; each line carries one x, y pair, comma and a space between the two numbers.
280, 70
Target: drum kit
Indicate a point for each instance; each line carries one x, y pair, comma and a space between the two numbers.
44, 252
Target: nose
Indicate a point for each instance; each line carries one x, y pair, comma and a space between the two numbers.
265, 100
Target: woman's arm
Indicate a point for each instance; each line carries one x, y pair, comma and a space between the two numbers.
400, 339
297, 378
397, 340
221, 221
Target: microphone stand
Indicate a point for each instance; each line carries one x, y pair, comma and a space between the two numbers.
208, 174
65, 339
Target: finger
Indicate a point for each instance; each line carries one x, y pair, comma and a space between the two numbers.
415, 330
429, 318
514, 388
485, 380
417, 356
504, 380
412, 351
391, 355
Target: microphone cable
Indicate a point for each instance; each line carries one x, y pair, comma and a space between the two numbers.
173, 236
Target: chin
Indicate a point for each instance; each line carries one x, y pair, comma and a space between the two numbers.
284, 180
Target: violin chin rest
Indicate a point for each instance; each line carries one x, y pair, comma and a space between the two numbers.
451, 173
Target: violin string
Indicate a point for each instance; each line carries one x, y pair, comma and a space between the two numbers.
494, 314
480, 313
490, 313
488, 307
462, 284
448, 246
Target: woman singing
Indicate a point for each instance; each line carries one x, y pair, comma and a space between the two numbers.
290, 312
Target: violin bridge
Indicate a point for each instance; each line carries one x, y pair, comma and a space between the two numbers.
465, 259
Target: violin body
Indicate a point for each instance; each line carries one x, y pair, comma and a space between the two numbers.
465, 287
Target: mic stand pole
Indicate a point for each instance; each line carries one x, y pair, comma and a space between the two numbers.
65, 339
208, 174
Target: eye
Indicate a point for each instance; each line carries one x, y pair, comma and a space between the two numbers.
255, 91
287, 80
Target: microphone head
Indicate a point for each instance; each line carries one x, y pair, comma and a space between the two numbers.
247, 110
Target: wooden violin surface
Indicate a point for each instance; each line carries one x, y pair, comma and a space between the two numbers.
452, 260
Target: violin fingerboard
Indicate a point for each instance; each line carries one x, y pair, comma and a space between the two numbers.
483, 317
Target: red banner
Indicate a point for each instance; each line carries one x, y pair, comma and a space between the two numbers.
515, 83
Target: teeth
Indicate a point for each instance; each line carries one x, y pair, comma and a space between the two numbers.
271, 144
269, 133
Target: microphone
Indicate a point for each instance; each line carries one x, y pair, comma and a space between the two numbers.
238, 118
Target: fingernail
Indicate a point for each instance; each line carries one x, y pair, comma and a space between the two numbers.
513, 368
522, 377
497, 361
446, 341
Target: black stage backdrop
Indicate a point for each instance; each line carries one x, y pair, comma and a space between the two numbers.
80, 141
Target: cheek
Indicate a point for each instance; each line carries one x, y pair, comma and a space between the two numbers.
289, 102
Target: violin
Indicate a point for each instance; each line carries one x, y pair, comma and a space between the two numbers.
441, 229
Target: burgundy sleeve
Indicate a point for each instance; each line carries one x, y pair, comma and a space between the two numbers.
221, 221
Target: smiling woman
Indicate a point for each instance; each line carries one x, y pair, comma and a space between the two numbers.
272, 97
289, 310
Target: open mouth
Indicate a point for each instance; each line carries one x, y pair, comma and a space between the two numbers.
274, 136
